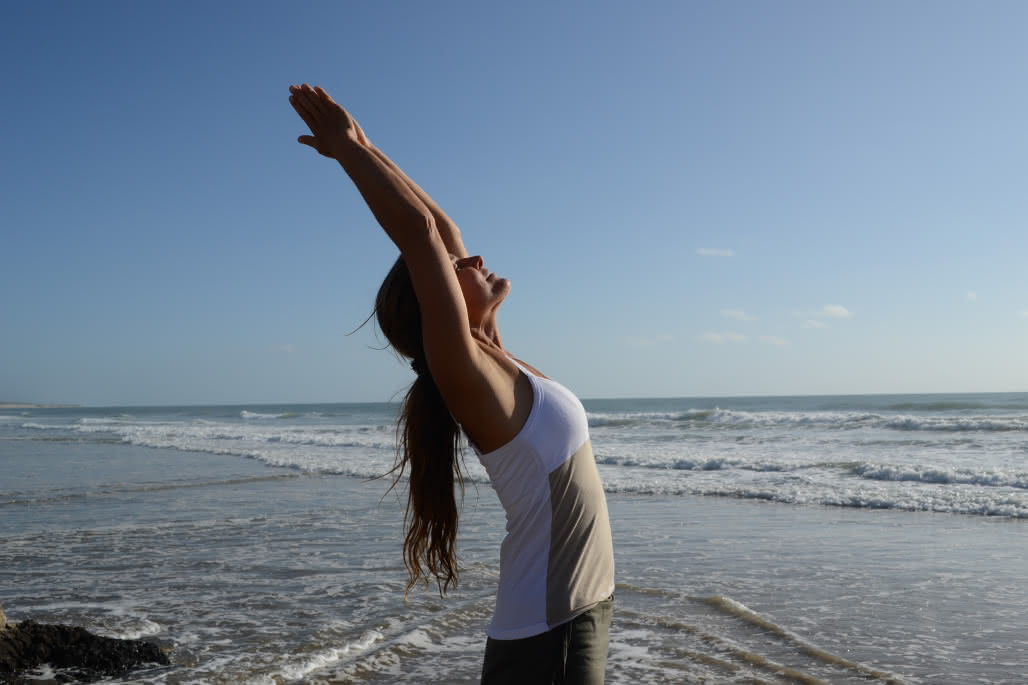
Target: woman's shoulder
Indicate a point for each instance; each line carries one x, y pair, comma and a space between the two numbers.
493, 410
525, 366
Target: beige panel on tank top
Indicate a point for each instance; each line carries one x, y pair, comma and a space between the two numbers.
580, 568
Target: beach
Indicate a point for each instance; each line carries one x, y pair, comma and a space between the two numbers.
772, 540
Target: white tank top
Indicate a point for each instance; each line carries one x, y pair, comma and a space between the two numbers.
557, 559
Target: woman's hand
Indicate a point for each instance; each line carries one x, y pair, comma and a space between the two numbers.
333, 129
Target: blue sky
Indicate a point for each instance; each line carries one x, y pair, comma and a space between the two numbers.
690, 198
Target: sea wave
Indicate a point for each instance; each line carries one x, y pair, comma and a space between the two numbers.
105, 420
918, 473
207, 436
941, 476
958, 424
768, 624
32, 426
714, 418
952, 501
597, 421
251, 415
296, 667
955, 405
19, 498
133, 630
705, 464
364, 450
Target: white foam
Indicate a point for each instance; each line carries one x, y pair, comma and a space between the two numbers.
942, 475
898, 495
956, 463
36, 426
767, 623
140, 628
957, 424
416, 638
103, 421
302, 666
721, 463
336, 449
838, 419
44, 672
256, 415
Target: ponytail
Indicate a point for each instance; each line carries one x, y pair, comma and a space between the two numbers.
428, 444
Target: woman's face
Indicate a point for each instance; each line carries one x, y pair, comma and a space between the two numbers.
483, 290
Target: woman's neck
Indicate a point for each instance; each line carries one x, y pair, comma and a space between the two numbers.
488, 331
488, 336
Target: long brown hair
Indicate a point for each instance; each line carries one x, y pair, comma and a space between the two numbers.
428, 443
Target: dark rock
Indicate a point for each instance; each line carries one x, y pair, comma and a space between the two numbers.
74, 652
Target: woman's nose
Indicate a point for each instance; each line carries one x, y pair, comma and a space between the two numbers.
475, 262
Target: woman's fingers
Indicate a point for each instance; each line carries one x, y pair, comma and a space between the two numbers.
301, 100
325, 105
325, 97
318, 103
314, 100
301, 104
298, 101
310, 101
298, 105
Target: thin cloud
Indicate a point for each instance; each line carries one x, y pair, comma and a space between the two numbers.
1023, 313
813, 323
723, 338
972, 296
773, 340
643, 341
835, 311
737, 314
714, 252
829, 311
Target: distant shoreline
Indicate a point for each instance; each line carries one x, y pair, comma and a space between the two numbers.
29, 405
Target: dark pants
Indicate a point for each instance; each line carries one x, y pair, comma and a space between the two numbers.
573, 653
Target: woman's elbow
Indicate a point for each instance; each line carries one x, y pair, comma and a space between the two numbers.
418, 232
409, 227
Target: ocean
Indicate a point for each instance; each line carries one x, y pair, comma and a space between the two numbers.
847, 539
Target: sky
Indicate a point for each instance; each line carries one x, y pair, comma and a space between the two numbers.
690, 198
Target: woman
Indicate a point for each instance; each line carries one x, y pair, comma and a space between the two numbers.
438, 307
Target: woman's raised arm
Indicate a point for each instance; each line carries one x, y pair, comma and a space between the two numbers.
448, 230
457, 364
334, 137
398, 209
